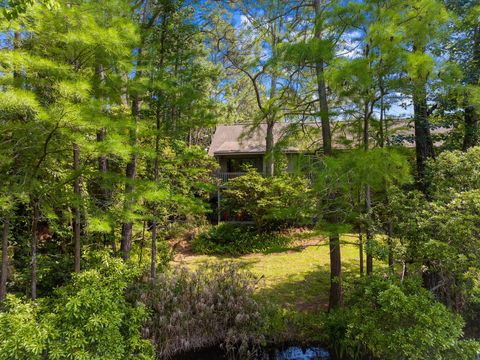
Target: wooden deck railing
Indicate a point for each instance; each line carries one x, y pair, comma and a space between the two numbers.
225, 176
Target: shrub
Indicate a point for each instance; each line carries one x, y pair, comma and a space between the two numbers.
272, 203
21, 334
237, 239
211, 306
89, 318
395, 321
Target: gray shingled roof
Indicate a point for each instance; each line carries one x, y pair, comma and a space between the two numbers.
241, 139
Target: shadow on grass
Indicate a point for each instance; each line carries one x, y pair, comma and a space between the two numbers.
307, 294
283, 249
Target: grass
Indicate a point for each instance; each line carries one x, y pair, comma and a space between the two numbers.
296, 278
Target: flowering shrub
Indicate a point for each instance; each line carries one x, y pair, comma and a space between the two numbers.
211, 306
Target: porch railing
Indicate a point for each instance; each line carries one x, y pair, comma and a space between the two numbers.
225, 176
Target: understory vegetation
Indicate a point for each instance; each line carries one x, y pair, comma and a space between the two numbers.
390, 319
238, 240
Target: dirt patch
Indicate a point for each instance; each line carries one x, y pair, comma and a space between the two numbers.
181, 249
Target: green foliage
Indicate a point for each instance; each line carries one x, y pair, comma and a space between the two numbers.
272, 202
88, 318
21, 334
395, 321
15, 8
454, 171
237, 239
339, 180
91, 318
439, 234
211, 306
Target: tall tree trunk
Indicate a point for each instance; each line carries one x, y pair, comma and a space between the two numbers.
360, 251
269, 142
104, 197
321, 86
336, 290
471, 116
470, 138
153, 254
156, 170
368, 193
423, 138
35, 218
324, 115
382, 114
4, 275
76, 210
6, 222
390, 246
369, 235
131, 169
127, 227
131, 174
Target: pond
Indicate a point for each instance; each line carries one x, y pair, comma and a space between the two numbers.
273, 353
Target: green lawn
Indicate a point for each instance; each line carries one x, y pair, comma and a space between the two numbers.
294, 279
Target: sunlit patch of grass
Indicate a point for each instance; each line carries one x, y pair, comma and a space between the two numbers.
295, 278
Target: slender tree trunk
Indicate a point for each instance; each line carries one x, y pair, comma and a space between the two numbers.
4, 275
104, 194
153, 255
470, 138
336, 290
324, 115
471, 116
6, 222
369, 235
269, 170
269, 140
368, 193
35, 218
382, 114
17, 78
76, 211
153, 262
142, 244
102, 168
131, 174
322, 88
424, 151
390, 246
131, 170
127, 227
360, 251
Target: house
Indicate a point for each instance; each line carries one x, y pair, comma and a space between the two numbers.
235, 146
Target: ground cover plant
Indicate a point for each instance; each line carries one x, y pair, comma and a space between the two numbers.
235, 239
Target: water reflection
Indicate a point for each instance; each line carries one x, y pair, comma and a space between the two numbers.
298, 353
283, 353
